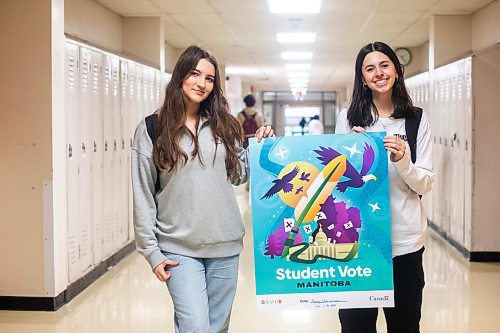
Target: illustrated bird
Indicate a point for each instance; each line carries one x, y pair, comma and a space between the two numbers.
300, 189
283, 183
356, 179
305, 176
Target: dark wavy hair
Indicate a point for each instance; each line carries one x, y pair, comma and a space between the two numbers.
360, 109
167, 152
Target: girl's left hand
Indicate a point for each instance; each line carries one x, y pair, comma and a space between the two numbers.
395, 146
264, 132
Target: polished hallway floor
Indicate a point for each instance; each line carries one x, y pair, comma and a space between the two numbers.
459, 297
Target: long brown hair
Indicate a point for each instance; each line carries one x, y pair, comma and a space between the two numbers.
167, 152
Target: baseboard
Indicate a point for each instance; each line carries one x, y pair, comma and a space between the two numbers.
473, 256
21, 303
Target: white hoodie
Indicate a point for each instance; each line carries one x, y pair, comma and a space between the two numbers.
407, 182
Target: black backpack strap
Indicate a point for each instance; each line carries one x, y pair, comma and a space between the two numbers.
411, 128
151, 124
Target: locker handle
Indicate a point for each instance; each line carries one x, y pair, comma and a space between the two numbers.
83, 147
95, 147
123, 144
70, 151
114, 145
106, 145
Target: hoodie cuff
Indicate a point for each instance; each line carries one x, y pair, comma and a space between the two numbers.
156, 258
403, 164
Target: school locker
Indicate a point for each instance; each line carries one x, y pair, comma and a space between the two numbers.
115, 179
97, 155
108, 161
72, 107
126, 109
467, 150
85, 150
123, 155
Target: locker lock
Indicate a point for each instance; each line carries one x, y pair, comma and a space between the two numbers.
70, 151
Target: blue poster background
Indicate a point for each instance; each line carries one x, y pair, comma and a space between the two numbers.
353, 219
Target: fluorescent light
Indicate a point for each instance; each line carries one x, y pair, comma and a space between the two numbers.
301, 37
298, 86
297, 74
294, 6
296, 55
291, 81
297, 67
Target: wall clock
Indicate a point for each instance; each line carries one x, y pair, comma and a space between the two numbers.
404, 55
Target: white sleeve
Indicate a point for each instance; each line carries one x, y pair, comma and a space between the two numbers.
342, 124
419, 176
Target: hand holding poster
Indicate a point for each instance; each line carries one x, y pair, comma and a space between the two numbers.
321, 220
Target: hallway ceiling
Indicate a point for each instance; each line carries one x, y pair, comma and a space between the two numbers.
242, 34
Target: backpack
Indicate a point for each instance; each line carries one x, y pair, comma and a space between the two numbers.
249, 127
151, 123
411, 128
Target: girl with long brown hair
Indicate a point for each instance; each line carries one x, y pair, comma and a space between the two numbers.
187, 222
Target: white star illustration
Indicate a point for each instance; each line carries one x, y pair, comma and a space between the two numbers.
352, 149
374, 206
281, 152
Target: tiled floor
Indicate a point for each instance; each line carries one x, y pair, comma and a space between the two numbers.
460, 297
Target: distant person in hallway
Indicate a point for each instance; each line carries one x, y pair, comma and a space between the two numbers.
189, 227
302, 124
380, 102
315, 126
250, 119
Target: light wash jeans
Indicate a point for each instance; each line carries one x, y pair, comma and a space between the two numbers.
203, 290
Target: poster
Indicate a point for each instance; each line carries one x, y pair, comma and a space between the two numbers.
321, 222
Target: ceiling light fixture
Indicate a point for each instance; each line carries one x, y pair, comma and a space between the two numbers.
296, 55
294, 6
298, 86
300, 37
297, 74
301, 81
297, 67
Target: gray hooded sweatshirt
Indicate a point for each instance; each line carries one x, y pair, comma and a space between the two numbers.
195, 213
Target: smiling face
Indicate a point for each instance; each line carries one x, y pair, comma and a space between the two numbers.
199, 83
379, 72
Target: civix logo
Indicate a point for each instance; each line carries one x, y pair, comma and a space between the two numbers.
379, 298
271, 301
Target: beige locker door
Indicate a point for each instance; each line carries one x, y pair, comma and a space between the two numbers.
128, 135
72, 107
97, 155
85, 150
108, 155
467, 150
117, 187
456, 135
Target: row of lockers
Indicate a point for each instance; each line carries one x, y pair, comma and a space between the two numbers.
447, 99
106, 97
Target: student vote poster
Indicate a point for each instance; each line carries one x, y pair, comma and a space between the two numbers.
321, 222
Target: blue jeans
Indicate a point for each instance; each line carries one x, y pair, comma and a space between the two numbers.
203, 290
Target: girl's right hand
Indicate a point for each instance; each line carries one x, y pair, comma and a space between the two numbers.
162, 271
357, 129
